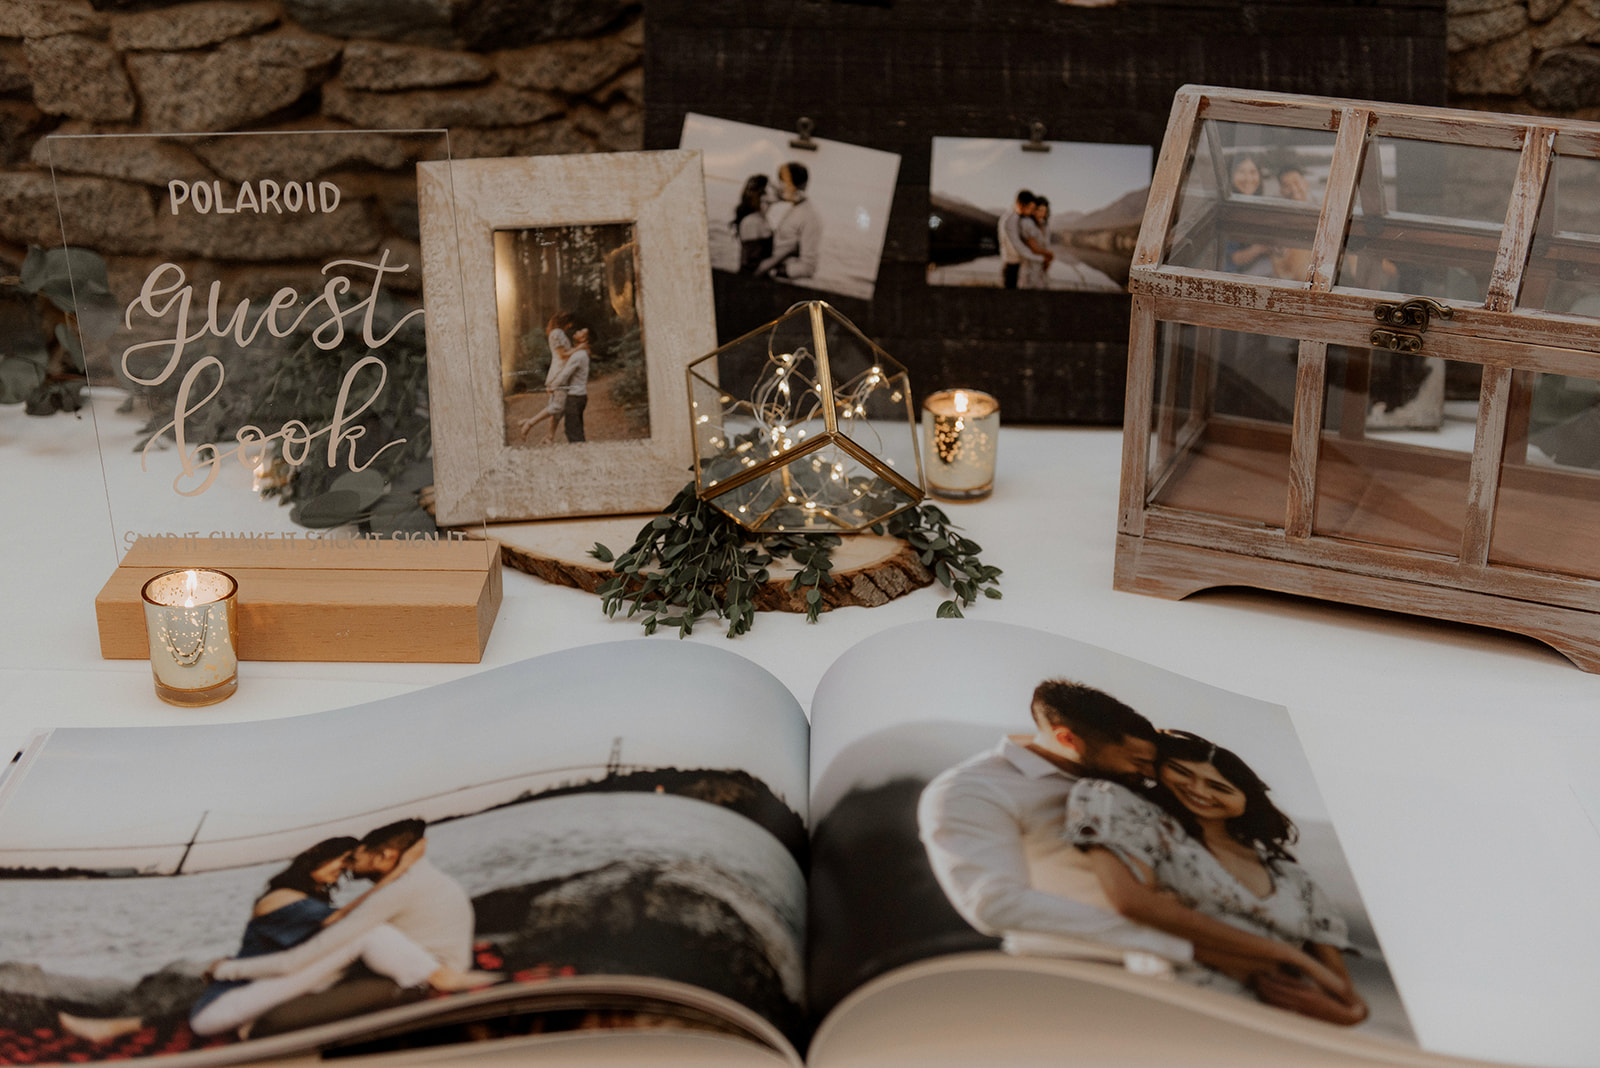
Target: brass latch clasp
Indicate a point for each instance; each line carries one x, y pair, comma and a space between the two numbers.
1396, 341
1414, 313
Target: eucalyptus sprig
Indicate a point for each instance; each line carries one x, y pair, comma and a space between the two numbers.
692, 561
954, 559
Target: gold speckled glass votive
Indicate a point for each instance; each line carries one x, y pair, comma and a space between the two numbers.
960, 432
191, 617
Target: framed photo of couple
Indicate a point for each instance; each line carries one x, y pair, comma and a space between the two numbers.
565, 294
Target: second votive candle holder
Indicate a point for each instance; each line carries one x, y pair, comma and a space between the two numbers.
960, 434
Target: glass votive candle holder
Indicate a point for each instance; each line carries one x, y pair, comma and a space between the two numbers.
191, 616
960, 433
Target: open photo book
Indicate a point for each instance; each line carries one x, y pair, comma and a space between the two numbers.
982, 831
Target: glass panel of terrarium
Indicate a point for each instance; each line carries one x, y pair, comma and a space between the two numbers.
1250, 200
1563, 273
256, 303
1221, 419
1548, 508
761, 408
872, 402
1426, 218
1396, 449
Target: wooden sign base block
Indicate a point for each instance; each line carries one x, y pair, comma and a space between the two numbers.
868, 569
343, 599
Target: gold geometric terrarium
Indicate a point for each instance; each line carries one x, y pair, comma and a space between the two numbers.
804, 425
1364, 362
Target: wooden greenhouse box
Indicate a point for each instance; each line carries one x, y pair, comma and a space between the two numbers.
1364, 362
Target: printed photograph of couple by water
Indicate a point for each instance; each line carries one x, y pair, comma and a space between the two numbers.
1035, 215
172, 889
1053, 800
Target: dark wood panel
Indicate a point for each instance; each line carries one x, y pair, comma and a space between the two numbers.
894, 74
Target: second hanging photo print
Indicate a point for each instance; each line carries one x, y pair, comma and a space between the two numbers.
1057, 215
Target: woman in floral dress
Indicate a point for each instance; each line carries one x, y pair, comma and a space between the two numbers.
1210, 836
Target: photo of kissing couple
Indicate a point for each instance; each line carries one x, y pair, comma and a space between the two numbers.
304, 961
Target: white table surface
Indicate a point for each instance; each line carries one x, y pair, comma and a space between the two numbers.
1461, 765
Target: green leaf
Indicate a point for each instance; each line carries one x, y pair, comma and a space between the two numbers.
410, 520
332, 509
52, 273
949, 610
813, 595
368, 486
601, 553
414, 477
19, 376
69, 341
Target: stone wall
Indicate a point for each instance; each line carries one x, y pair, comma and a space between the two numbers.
506, 77
1539, 57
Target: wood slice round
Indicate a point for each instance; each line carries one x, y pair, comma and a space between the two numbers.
868, 569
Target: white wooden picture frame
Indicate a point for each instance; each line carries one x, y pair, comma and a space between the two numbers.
477, 476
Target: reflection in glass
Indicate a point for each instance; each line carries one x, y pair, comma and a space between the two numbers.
1220, 422
1563, 273
572, 358
260, 299
765, 451
1400, 487
1250, 200
1426, 218
1548, 508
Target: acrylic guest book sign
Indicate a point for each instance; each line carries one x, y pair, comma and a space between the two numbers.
255, 303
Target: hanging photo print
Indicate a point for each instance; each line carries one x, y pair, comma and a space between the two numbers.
810, 216
1035, 215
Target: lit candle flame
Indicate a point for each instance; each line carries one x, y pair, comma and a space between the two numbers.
191, 588
960, 401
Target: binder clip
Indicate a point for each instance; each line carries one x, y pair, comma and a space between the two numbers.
1035, 141
804, 127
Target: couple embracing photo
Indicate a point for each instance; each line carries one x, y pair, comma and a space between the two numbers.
1099, 836
304, 961
779, 229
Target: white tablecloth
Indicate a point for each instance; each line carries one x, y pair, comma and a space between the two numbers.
1461, 766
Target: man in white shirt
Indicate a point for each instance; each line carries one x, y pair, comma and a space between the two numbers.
1035, 249
797, 238
1009, 231
992, 827
423, 903
574, 378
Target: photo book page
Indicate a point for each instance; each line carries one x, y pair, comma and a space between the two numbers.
1170, 842
617, 832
